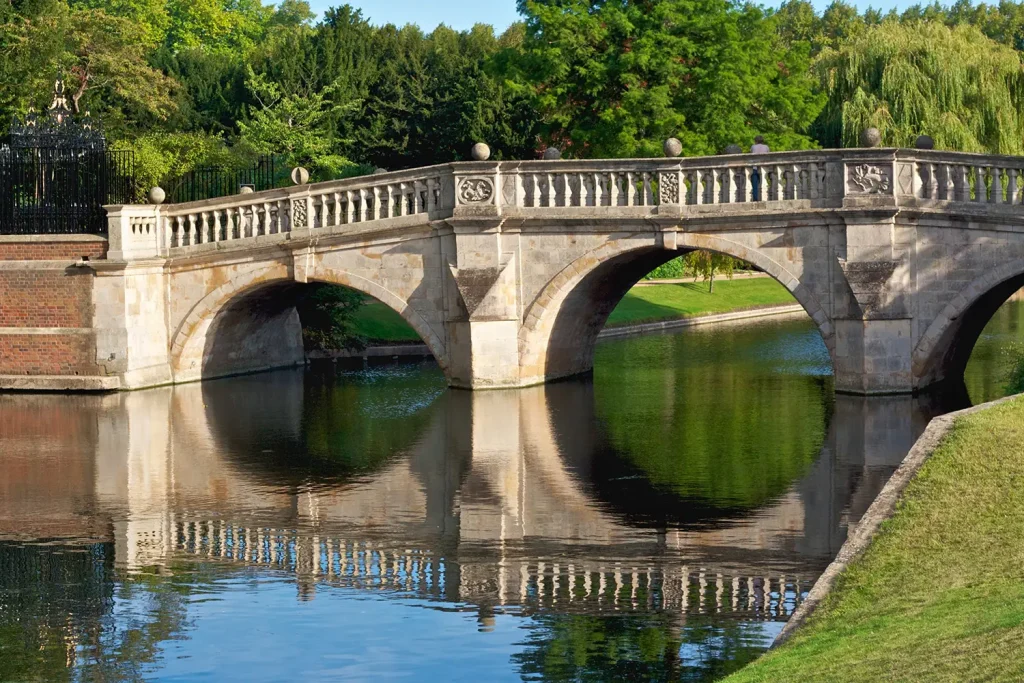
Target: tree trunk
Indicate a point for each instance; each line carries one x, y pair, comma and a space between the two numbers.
711, 288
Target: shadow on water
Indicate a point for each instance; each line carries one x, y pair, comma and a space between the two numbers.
659, 520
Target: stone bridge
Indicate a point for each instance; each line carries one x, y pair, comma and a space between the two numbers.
508, 270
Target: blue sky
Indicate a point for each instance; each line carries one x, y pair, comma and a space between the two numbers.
462, 14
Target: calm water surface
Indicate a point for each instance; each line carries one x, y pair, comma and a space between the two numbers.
659, 521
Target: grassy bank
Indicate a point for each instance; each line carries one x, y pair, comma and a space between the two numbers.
648, 303
378, 323
939, 596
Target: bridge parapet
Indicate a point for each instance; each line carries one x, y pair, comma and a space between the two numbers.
566, 189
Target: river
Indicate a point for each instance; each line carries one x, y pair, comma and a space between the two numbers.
658, 521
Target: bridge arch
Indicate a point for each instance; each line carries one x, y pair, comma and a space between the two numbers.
242, 294
946, 345
562, 323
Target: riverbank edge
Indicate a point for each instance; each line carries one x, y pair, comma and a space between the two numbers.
417, 350
859, 538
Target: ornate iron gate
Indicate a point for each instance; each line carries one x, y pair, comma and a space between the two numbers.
56, 174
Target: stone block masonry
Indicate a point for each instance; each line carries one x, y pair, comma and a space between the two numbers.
508, 270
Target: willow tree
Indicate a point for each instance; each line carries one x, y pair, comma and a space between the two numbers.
954, 84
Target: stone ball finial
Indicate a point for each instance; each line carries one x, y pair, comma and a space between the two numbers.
672, 147
300, 176
156, 195
480, 152
733, 149
246, 189
924, 142
871, 137
552, 154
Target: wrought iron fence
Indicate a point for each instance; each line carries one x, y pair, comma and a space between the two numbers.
61, 190
212, 181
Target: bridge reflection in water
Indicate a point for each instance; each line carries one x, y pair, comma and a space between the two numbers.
398, 484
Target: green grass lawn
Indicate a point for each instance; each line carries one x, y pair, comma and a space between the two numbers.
688, 299
378, 323
939, 596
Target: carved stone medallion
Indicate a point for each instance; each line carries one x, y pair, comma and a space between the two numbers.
475, 190
869, 179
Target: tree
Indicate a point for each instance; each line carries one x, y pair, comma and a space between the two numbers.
103, 59
617, 79
294, 125
963, 89
162, 158
707, 264
327, 318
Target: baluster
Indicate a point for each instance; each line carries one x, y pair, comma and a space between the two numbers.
584, 196
566, 191
812, 181
550, 191
1011, 187
364, 201
418, 188
216, 225
630, 189
748, 185
712, 194
696, 188
947, 185
727, 186
963, 190
779, 184
980, 191
336, 206
932, 186
180, 223
996, 195
431, 199
613, 189
264, 218
799, 191
598, 190
648, 189
282, 216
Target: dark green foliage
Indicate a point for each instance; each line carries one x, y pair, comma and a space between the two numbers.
616, 79
594, 78
675, 268
327, 318
1015, 380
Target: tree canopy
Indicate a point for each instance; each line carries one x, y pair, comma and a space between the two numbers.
195, 82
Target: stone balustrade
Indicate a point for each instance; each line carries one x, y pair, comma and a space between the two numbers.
606, 583
566, 189
956, 177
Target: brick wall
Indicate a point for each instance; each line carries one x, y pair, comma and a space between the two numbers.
52, 251
47, 297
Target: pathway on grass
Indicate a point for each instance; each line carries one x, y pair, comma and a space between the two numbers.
939, 596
